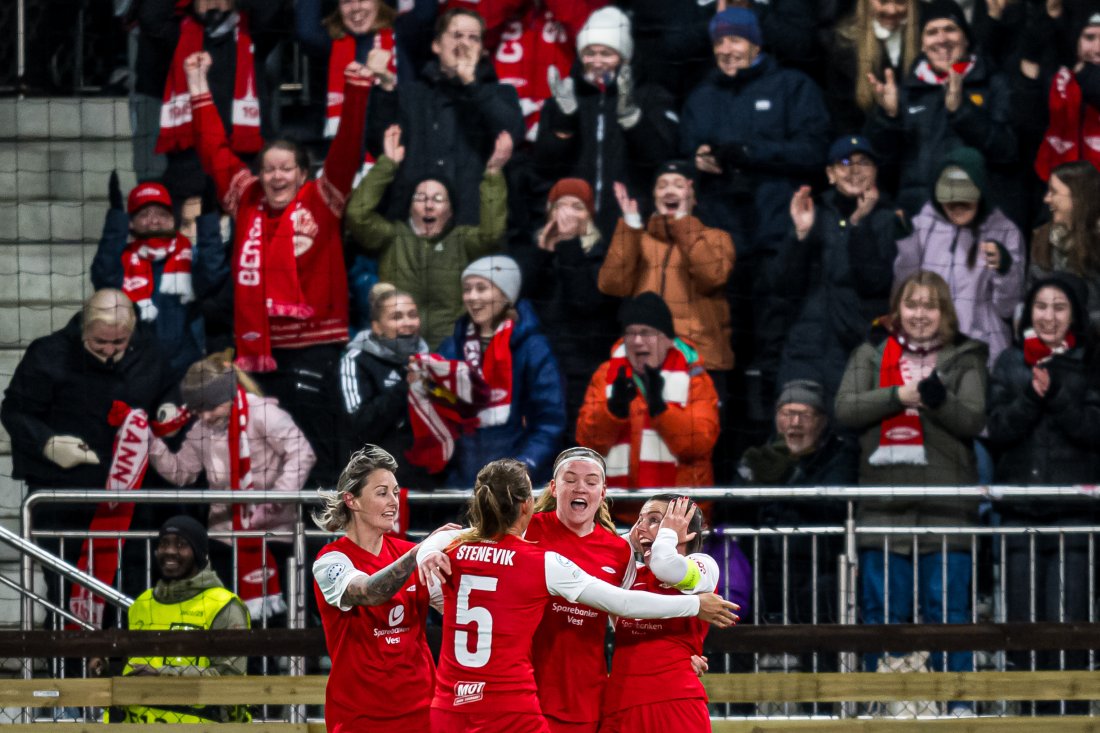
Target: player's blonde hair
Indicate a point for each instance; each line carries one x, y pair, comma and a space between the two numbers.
334, 515
497, 502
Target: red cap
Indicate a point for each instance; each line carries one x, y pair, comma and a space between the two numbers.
574, 187
148, 193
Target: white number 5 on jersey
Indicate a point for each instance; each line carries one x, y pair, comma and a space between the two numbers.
467, 614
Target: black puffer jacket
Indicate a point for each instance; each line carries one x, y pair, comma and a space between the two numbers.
449, 130
914, 143
1053, 439
60, 389
591, 144
828, 287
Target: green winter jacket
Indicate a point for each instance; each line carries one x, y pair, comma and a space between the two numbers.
949, 433
428, 269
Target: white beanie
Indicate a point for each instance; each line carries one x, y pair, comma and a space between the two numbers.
501, 271
607, 27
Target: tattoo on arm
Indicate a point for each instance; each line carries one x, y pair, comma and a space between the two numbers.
383, 585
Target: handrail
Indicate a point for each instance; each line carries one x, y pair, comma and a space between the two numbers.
69, 572
53, 608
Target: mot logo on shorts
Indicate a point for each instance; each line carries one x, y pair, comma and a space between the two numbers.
468, 692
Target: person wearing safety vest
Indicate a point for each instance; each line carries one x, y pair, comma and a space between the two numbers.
189, 596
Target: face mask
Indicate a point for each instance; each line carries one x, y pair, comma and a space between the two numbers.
403, 346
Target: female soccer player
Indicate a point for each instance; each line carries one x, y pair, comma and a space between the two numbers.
653, 686
494, 598
372, 610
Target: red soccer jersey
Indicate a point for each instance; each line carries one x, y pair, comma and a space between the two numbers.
381, 666
492, 604
568, 648
652, 661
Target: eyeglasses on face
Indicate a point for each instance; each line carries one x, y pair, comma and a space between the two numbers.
423, 198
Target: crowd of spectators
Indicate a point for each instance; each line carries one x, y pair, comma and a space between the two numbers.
720, 242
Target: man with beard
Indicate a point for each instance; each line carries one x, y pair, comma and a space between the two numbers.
425, 254
143, 254
189, 595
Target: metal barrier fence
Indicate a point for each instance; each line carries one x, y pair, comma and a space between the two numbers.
793, 572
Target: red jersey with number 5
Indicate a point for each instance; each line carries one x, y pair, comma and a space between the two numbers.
492, 604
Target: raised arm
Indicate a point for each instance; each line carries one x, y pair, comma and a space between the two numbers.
231, 176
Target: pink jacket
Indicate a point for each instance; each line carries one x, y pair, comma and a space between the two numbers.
281, 461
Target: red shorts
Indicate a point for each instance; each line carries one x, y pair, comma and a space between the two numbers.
418, 722
448, 721
561, 726
684, 716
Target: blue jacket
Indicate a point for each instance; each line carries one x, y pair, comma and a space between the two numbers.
178, 328
770, 130
537, 419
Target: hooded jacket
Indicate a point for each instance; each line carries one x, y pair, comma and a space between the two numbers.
915, 142
449, 130
597, 148
427, 269
1053, 439
776, 120
687, 264
374, 393
984, 299
536, 420
949, 432
61, 389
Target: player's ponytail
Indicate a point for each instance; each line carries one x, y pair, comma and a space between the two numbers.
497, 502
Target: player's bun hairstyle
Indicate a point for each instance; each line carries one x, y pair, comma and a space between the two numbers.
497, 502
334, 514
696, 524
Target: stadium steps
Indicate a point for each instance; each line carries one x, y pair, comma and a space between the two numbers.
56, 156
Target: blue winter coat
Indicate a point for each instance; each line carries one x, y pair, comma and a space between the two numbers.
777, 120
537, 418
178, 327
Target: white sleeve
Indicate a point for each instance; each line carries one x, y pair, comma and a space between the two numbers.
334, 572
437, 542
630, 574
696, 573
565, 579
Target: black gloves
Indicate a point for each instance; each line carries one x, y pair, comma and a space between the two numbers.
654, 386
114, 192
623, 391
210, 203
932, 392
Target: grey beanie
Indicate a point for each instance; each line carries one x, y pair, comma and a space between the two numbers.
501, 271
205, 386
802, 392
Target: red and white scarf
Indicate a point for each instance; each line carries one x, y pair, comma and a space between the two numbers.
137, 271
1074, 130
176, 132
901, 437
266, 285
1036, 352
495, 369
257, 573
101, 556
525, 53
656, 462
924, 71
342, 54
440, 409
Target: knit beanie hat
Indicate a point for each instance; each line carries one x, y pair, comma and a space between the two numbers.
950, 10
573, 187
802, 392
205, 386
740, 22
501, 271
681, 167
192, 533
145, 194
607, 27
1084, 16
647, 309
